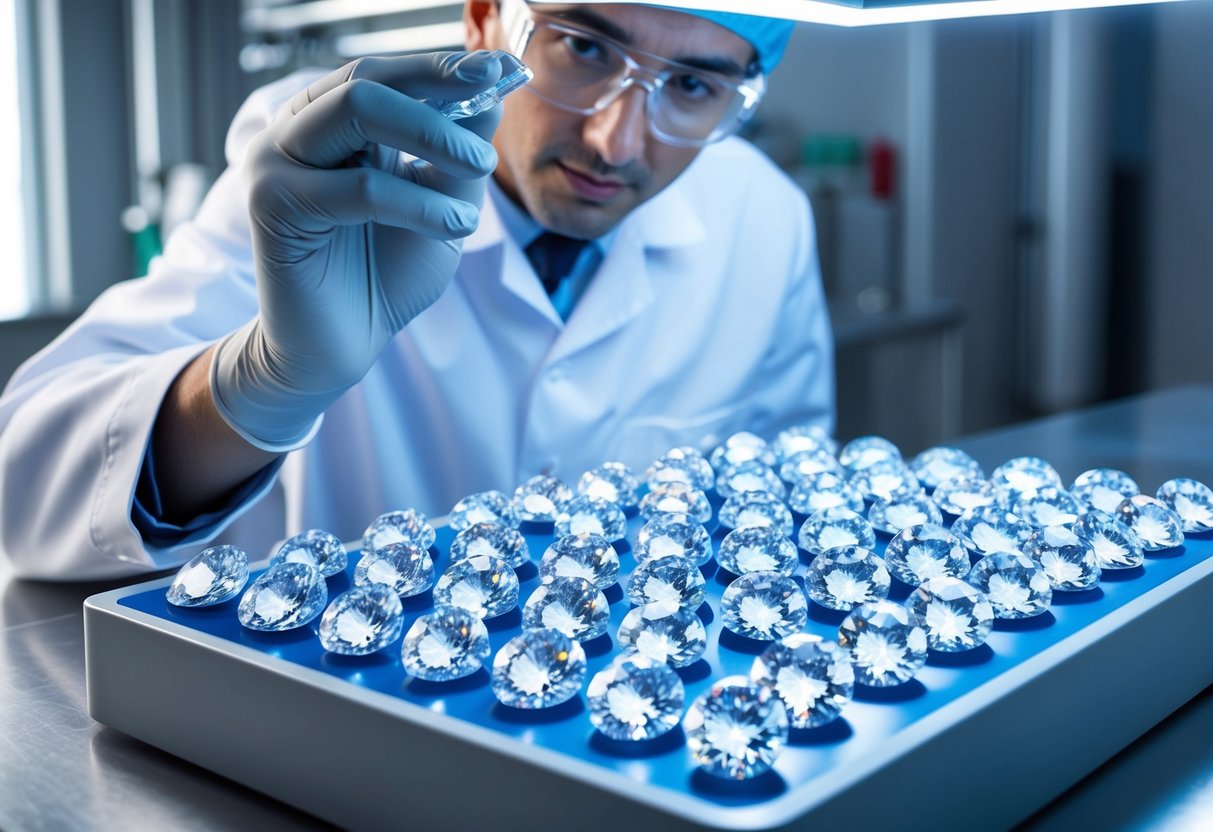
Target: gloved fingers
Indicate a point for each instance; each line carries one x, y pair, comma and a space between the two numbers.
359, 113
353, 196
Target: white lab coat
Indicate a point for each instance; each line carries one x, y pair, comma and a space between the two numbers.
705, 318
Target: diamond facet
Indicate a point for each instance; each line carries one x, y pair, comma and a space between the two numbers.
538, 669
587, 556
675, 498
891, 517
483, 585
736, 728
635, 698
1014, 583
446, 644
834, 527
211, 577
1068, 561
991, 529
685, 465
749, 477
764, 606
821, 491
800, 439
1022, 477
887, 647
956, 496
538, 500
491, 539
286, 596
889, 479
1103, 489
408, 526
757, 549
843, 578
756, 508
813, 677
677, 638
670, 582
1116, 545
866, 451
919, 553
574, 606
1049, 506
955, 614
406, 568
591, 515
362, 620
940, 464
319, 548
673, 534
1192, 500
611, 481
1157, 526
483, 507
739, 448
804, 464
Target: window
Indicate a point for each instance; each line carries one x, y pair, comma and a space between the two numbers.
14, 284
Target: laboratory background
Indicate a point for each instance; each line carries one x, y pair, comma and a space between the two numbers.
1014, 214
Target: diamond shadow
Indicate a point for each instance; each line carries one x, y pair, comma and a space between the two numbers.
629, 749
613, 593
825, 615
705, 613
963, 658
1023, 625
763, 787
597, 646
709, 569
505, 621
338, 661
742, 644
1164, 554
905, 692
724, 577
537, 527
899, 590
527, 572
538, 716
1085, 596
829, 734
1115, 576
421, 602
432, 690
264, 638
696, 671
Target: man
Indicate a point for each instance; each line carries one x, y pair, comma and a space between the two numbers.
324, 277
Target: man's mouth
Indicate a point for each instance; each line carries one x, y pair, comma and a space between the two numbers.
591, 187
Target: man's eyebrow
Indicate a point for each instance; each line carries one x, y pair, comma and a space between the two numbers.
581, 16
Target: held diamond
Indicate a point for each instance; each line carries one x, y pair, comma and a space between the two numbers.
1192, 500
865, 452
635, 698
1068, 561
736, 729
587, 556
408, 526
1050, 506
1155, 524
673, 534
574, 606
740, 448
211, 577
671, 583
887, 647
764, 606
813, 677
1014, 583
538, 500
590, 515
1103, 489
494, 540
538, 669
675, 498
756, 508
677, 638
483, 507
940, 464
361, 621
483, 585
685, 465
286, 596
757, 549
446, 644
612, 481
919, 553
318, 548
956, 496
822, 491
843, 578
834, 527
891, 517
991, 529
1116, 545
749, 477
955, 614
406, 568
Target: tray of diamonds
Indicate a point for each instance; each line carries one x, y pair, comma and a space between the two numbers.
775, 635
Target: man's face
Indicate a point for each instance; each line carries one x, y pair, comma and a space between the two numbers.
580, 175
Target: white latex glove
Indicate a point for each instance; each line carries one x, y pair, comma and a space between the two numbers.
350, 243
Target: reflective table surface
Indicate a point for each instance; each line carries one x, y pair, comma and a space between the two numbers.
61, 770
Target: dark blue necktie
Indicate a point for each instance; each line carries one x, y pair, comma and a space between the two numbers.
552, 256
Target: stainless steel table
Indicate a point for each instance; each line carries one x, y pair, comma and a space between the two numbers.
61, 770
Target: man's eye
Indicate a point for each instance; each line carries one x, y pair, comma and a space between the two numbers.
583, 47
693, 87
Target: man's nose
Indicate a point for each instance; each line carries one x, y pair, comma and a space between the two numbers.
619, 131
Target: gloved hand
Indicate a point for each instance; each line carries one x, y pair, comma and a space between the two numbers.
350, 242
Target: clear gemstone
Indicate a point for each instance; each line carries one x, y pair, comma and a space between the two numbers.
538, 669
1050, 506
634, 698
813, 677
574, 606
918, 553
893, 516
677, 638
587, 556
834, 527
955, 614
742, 447
671, 583
757, 549
800, 439
957, 496
286, 596
888, 479
685, 465
406, 568
491, 539
446, 644
748, 477
675, 498
408, 526
318, 548
1192, 500
756, 508
1156, 525
821, 491
538, 500
1116, 545
1068, 561
804, 464
483, 507
736, 728
611, 481
362, 620
483, 585
1015, 584
1022, 477
991, 529
1103, 488
673, 534
764, 605
210, 577
937, 465
866, 451
886, 645
591, 515
843, 578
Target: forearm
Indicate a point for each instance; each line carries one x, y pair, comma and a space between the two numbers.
199, 458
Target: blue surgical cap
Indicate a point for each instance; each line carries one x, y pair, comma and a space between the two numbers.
768, 35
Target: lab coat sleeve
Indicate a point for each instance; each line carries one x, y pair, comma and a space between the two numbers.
76, 418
